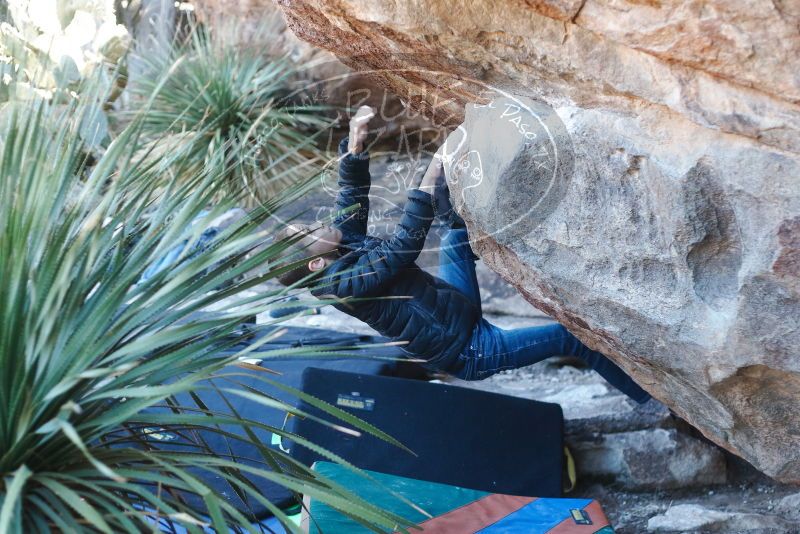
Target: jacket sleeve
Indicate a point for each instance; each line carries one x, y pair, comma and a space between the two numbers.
372, 270
354, 183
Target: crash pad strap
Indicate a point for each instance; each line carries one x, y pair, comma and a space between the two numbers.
572, 477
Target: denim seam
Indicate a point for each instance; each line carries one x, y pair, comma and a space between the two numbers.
493, 371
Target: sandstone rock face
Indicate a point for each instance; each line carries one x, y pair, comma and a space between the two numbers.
661, 222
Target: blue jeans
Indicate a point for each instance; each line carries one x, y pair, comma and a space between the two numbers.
493, 349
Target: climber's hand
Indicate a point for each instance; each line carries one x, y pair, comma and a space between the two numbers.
359, 128
434, 173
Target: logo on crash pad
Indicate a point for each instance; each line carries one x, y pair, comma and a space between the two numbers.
580, 516
355, 401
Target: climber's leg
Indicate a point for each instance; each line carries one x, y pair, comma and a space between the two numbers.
457, 264
494, 349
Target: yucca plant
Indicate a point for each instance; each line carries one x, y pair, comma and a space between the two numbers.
87, 346
223, 99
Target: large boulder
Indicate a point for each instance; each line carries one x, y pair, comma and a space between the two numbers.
656, 210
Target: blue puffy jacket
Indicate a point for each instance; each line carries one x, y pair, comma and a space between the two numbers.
404, 302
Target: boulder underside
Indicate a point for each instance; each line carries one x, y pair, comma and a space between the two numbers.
656, 210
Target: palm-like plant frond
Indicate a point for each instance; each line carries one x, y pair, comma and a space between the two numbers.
220, 97
87, 346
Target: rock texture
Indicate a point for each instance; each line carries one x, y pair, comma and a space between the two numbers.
648, 459
673, 242
694, 518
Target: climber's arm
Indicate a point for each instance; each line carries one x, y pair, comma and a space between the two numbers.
354, 179
405, 245
383, 263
